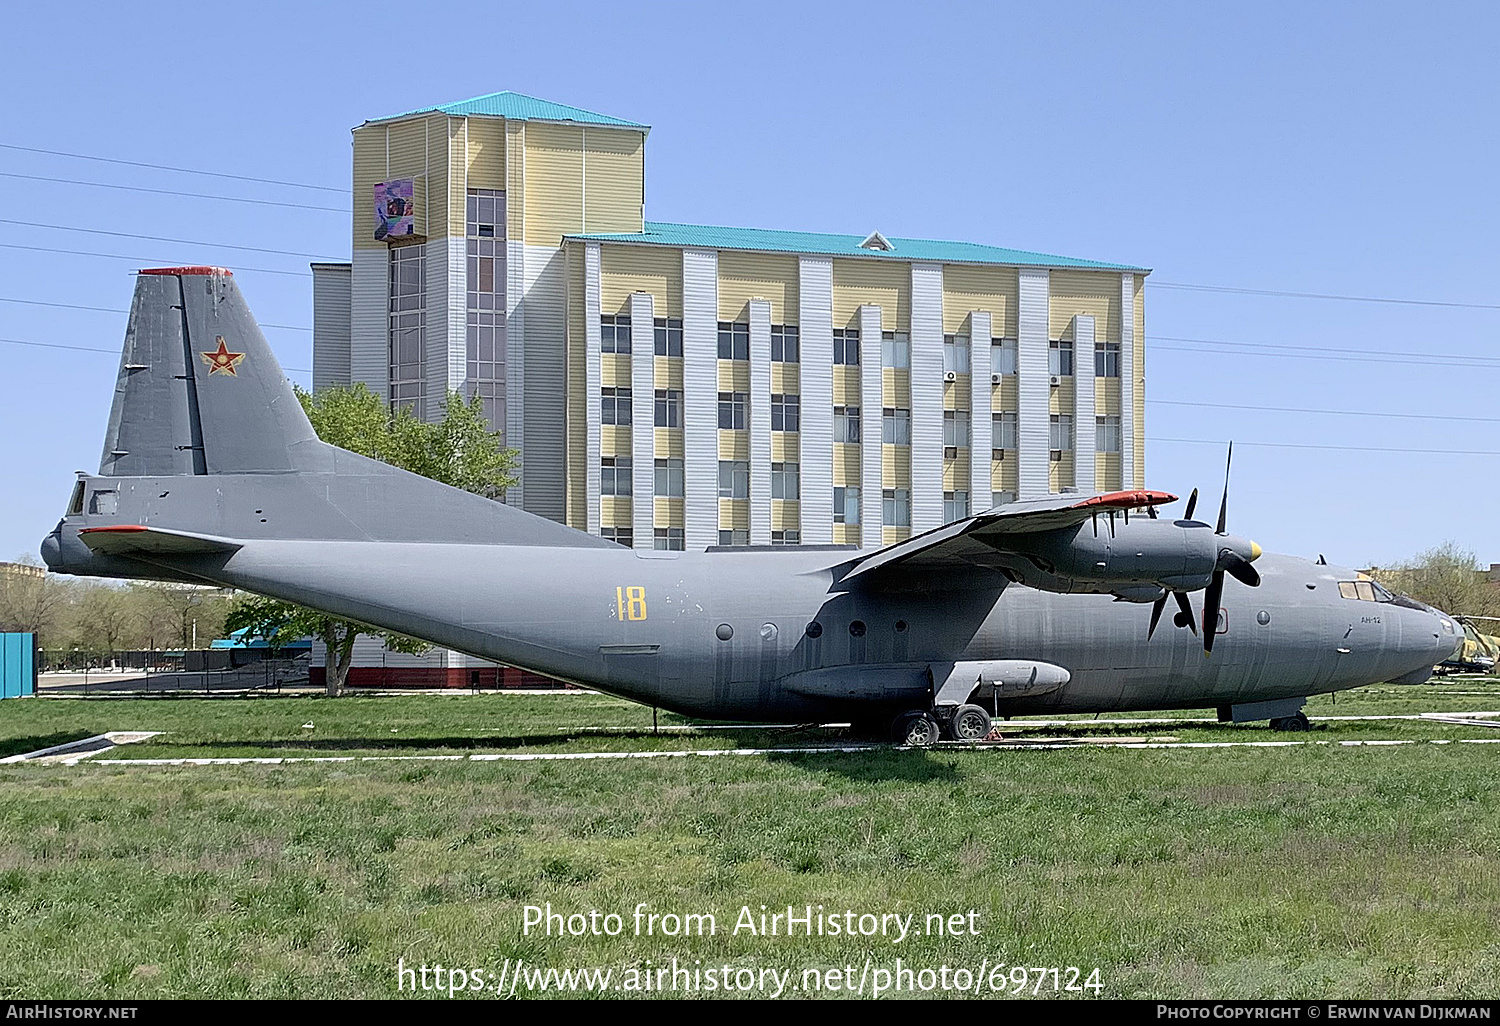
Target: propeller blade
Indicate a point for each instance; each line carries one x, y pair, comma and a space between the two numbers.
1211, 599
1224, 503
1239, 568
1187, 514
1156, 608
1187, 610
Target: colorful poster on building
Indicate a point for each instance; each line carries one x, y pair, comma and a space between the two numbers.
395, 213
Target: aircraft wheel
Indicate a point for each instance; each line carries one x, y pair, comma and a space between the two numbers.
1296, 723
916, 729
970, 723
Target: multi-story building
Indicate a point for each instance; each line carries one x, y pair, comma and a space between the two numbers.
680, 386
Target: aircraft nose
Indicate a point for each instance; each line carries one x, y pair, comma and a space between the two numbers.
1449, 635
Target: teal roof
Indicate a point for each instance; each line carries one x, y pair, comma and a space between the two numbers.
659, 233
519, 107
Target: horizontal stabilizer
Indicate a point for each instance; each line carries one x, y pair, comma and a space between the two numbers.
133, 540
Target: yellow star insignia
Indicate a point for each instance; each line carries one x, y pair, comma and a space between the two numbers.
221, 360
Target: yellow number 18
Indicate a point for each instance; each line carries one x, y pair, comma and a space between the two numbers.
631, 603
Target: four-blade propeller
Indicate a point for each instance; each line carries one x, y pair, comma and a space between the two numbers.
1229, 560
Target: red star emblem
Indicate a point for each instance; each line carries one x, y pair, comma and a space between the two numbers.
221, 360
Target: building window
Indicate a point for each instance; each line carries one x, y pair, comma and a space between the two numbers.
667, 333
786, 537
408, 328
484, 285
955, 506
846, 505
895, 426
895, 507
1001, 498
734, 479
895, 349
1107, 434
614, 406
1002, 356
1003, 430
1060, 434
956, 354
1060, 358
785, 344
786, 481
669, 407
955, 429
732, 411
669, 478
734, 340
667, 539
734, 537
619, 535
846, 346
846, 424
786, 412
1107, 360
614, 333
614, 475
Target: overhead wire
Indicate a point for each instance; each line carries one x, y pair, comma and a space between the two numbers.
169, 167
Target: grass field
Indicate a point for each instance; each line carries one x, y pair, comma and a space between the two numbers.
1312, 871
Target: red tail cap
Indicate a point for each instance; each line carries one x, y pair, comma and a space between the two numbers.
187, 270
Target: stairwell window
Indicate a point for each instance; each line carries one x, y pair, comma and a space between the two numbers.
732, 411
955, 506
895, 349
734, 340
785, 344
669, 479
614, 406
895, 507
846, 346
786, 412
614, 475
846, 424
1002, 356
956, 354
1060, 435
1107, 360
1107, 434
1060, 358
614, 333
786, 481
667, 340
846, 505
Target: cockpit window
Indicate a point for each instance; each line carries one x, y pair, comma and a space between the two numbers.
1365, 591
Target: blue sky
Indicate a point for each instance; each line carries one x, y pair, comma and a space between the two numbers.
1331, 148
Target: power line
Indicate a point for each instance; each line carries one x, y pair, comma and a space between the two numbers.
1195, 287
1382, 414
1325, 349
113, 310
1399, 360
172, 192
159, 238
1336, 448
168, 167
143, 261
95, 349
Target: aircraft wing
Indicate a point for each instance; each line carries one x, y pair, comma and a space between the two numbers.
981, 540
135, 540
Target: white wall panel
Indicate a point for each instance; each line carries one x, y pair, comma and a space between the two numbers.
369, 338
869, 409
980, 422
1127, 382
515, 363
760, 422
331, 326
815, 315
926, 397
700, 396
592, 377
1031, 373
545, 381
1083, 403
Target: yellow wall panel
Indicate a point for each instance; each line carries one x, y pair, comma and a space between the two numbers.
667, 513
1096, 293
967, 288
1140, 380
653, 269
786, 378
614, 511
614, 441
734, 445
885, 283
615, 166
785, 515
668, 443
554, 182
845, 464
515, 179
769, 276
614, 370
786, 446
486, 156
454, 187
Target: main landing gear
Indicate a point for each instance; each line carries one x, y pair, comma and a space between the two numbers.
1296, 723
919, 728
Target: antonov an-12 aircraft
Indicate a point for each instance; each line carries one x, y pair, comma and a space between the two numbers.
211, 473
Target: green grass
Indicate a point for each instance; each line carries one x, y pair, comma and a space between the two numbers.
1315, 871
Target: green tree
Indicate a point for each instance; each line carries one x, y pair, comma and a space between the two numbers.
1446, 577
460, 450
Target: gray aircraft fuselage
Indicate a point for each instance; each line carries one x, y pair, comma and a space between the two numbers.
211, 473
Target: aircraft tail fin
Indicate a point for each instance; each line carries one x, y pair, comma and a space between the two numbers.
199, 390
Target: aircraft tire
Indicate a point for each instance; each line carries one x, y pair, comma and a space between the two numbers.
916, 729
1296, 723
970, 723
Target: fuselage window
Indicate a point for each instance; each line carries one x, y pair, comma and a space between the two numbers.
1346, 589
1366, 591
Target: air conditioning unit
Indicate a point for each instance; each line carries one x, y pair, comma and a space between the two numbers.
997, 454
1054, 381
994, 379
1056, 455
950, 375
950, 452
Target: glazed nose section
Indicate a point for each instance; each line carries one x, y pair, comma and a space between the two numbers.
1448, 633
